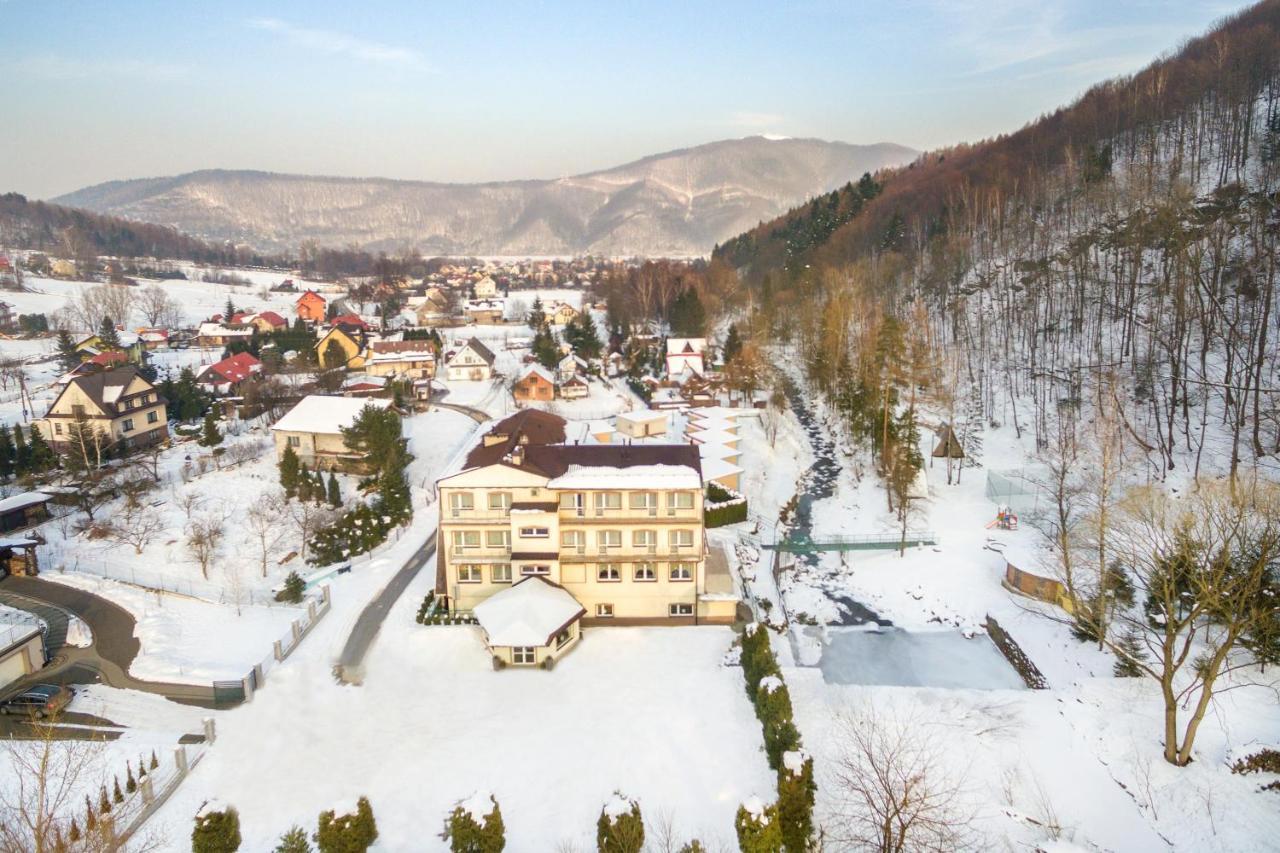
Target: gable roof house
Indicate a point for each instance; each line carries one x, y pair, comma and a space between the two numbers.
485, 312
311, 307
560, 313
123, 409
474, 361
313, 428
224, 377
350, 343
402, 359
535, 384
221, 334
486, 288
685, 358
267, 322
130, 345
574, 388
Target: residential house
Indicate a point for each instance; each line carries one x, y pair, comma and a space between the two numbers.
313, 428
560, 313
474, 361
311, 307
401, 359
350, 322
225, 377
61, 268
484, 312
615, 529
130, 345
123, 409
685, 358
8, 318
348, 343
486, 288
534, 385
574, 388
267, 322
220, 334
153, 339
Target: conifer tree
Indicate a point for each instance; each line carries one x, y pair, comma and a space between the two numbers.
108, 335
154, 762
290, 472
40, 455
7, 455
537, 316
620, 828
68, 357
758, 828
117, 795
74, 834
104, 802
216, 831
468, 833
335, 492
21, 453
294, 588
348, 833
796, 792
90, 818
210, 435
228, 311
130, 784
293, 841
732, 343
305, 484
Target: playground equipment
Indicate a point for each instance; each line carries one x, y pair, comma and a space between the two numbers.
1006, 519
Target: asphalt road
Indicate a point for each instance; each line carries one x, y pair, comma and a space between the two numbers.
350, 666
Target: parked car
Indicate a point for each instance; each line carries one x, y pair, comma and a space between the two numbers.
41, 700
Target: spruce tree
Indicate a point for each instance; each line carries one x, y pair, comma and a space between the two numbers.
305, 484
620, 828
732, 343
1129, 655
21, 453
229, 311
294, 588
40, 455
210, 436
117, 795
290, 471
796, 792
68, 357
537, 316
104, 802
293, 841
154, 762
7, 459
348, 833
335, 492
130, 784
216, 831
468, 834
90, 817
108, 335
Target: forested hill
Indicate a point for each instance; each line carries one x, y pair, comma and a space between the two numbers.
1115, 260
76, 234
1217, 76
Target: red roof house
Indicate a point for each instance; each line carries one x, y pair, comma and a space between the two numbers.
229, 372
311, 306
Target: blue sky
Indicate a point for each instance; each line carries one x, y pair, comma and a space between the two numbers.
96, 91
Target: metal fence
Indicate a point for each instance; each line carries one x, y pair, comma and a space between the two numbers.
235, 692
160, 580
1019, 489
155, 788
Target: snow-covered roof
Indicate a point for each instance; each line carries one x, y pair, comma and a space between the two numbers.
714, 469
599, 427
320, 414
642, 416
708, 424
25, 499
217, 330
716, 451
529, 613
634, 477
685, 346
712, 436
539, 370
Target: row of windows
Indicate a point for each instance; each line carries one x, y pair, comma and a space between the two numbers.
640, 501
605, 572
572, 538
126, 426
605, 611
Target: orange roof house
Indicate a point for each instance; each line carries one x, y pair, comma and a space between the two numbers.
311, 307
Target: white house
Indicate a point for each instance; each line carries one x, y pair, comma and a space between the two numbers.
474, 361
486, 288
685, 357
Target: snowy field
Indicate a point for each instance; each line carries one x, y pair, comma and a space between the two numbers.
552, 746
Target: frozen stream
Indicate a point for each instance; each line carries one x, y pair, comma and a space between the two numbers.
900, 658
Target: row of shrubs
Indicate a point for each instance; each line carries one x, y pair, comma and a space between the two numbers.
217, 830
723, 506
105, 803
473, 826
787, 824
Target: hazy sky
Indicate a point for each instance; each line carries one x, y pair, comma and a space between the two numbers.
97, 90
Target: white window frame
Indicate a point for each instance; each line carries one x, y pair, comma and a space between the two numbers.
646, 539
500, 573
604, 611
608, 573
536, 570
674, 538
679, 608
608, 539
680, 500
646, 502
538, 532
575, 502
461, 502
470, 573
604, 500
644, 573
524, 656
503, 537
680, 572
294, 441
460, 538
502, 502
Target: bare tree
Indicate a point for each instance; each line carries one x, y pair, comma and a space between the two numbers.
158, 310
45, 778
307, 518
138, 522
892, 794
88, 307
265, 515
189, 501
204, 538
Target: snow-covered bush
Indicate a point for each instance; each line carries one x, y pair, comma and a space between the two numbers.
773, 709
758, 660
758, 828
347, 833
620, 828
475, 826
216, 830
796, 792
293, 841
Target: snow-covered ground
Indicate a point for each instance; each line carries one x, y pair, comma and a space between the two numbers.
433, 723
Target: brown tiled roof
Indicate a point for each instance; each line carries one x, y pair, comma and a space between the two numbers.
92, 385
528, 426
481, 350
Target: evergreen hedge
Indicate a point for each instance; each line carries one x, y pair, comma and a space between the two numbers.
216, 831
348, 833
622, 832
758, 828
467, 835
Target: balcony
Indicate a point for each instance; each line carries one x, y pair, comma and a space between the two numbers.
452, 514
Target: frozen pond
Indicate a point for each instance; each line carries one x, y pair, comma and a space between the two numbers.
916, 659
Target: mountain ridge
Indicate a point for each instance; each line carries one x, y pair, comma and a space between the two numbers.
678, 202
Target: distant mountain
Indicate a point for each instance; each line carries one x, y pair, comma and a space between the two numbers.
678, 203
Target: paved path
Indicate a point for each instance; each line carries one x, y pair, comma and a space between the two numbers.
474, 414
114, 645
57, 619
350, 666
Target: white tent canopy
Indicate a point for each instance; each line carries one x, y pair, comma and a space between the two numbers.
530, 613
